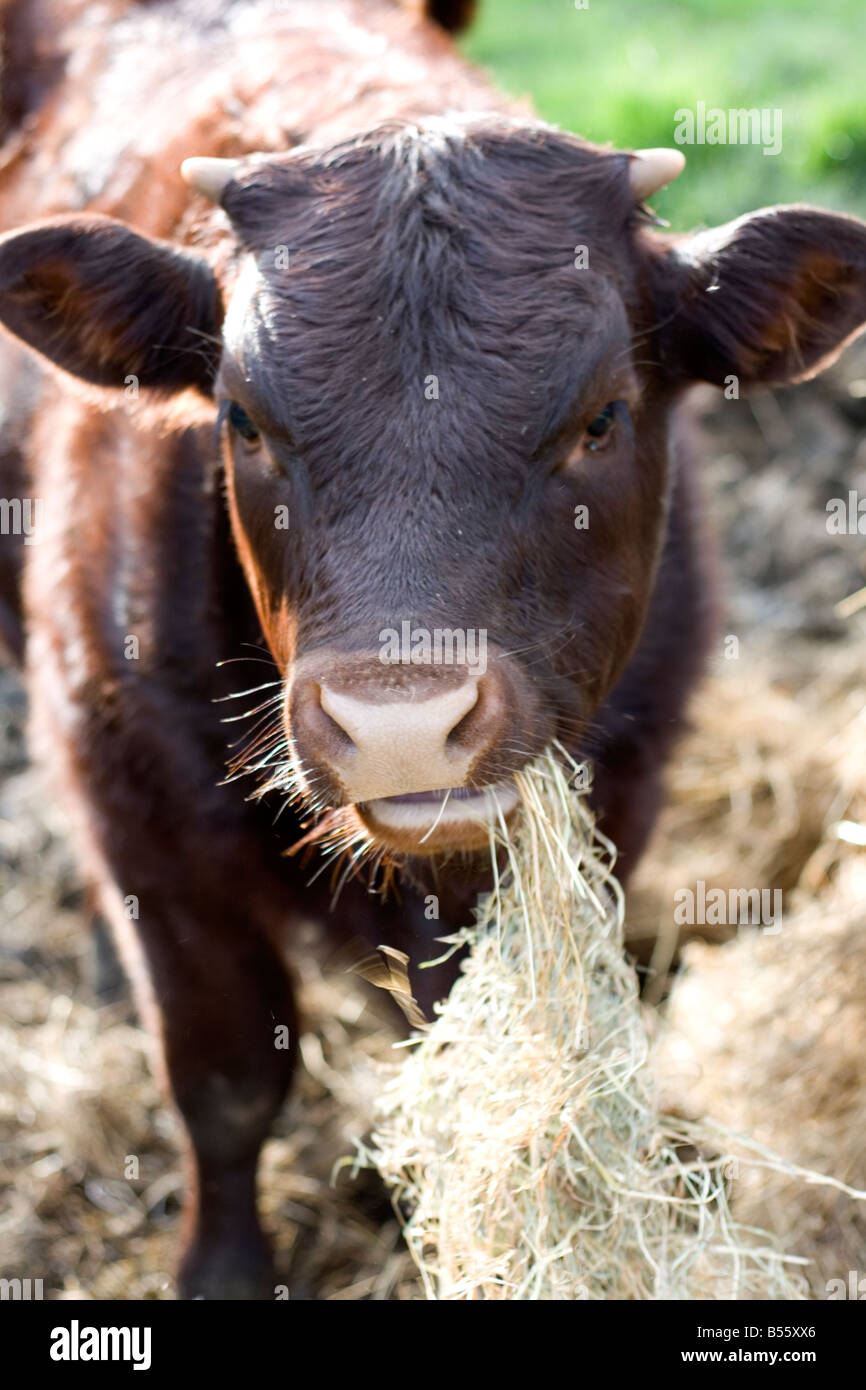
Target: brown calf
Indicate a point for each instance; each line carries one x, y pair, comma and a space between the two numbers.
405, 394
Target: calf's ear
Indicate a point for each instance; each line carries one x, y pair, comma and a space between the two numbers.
106, 303
770, 298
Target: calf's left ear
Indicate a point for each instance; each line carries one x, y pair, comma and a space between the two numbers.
105, 303
770, 298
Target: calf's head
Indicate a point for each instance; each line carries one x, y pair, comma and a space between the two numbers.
448, 356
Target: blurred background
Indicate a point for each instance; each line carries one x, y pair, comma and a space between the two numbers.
616, 73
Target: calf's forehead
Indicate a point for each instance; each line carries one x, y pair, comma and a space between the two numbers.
479, 347
384, 267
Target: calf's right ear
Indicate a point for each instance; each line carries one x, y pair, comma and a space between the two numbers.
105, 303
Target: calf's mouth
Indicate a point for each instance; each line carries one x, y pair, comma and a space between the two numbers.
431, 822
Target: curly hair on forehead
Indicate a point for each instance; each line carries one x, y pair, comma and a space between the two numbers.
449, 241
524, 166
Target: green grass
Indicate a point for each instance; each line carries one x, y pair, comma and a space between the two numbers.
618, 71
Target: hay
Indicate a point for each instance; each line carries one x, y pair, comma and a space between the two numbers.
753, 794
522, 1134
768, 1035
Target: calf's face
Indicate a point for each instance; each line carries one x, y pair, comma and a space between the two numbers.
444, 499
448, 359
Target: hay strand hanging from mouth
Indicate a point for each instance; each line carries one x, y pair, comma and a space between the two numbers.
521, 1135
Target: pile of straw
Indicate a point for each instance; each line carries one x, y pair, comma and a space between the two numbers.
768, 1035
522, 1136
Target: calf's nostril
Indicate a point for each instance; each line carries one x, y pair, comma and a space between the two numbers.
465, 730
481, 723
330, 725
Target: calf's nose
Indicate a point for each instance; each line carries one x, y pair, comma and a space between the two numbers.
389, 731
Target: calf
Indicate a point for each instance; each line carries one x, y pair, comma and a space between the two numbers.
400, 392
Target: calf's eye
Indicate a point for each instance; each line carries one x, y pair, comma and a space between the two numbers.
598, 429
241, 422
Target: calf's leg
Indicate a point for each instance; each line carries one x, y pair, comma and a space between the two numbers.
218, 998
197, 910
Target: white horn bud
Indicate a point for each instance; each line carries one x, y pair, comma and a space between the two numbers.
650, 170
209, 176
